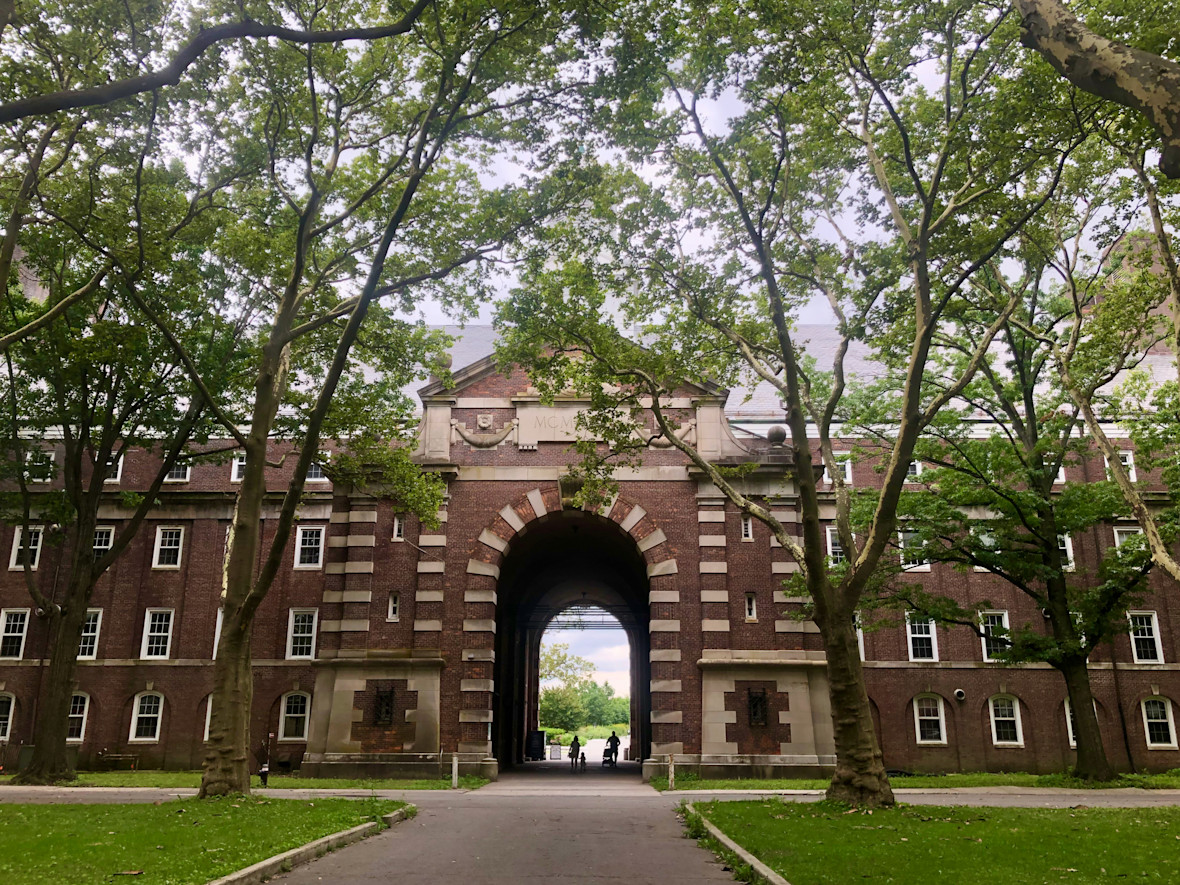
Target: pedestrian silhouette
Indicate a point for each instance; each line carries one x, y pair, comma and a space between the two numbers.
575, 752
611, 756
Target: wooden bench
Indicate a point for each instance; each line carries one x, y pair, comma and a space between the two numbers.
118, 761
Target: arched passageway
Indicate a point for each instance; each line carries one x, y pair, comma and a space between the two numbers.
563, 559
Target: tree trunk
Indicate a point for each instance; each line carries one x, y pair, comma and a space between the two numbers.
860, 778
1092, 763
227, 759
50, 763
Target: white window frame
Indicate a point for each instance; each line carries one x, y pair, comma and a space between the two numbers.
315, 625
834, 545
237, 467
306, 717
983, 628
160, 529
97, 633
913, 470
24, 633
14, 560
1128, 458
320, 460
299, 535
1059, 479
185, 466
991, 712
47, 457
217, 632
1123, 532
1171, 720
923, 566
1065, 545
1155, 635
6, 724
860, 634
1070, 731
844, 461
751, 608
393, 611
910, 623
94, 546
136, 714
85, 716
117, 474
208, 717
147, 622
398, 532
942, 741
982, 534
747, 528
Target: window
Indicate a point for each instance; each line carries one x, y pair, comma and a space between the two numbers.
293, 723
309, 547
169, 543
993, 624
912, 552
39, 465
399, 527
747, 528
6, 705
384, 706
178, 473
1145, 643
395, 606
76, 721
145, 718
315, 472
758, 706
843, 464
751, 607
985, 545
114, 468
217, 632
922, 639
835, 551
104, 538
1065, 546
1006, 731
15, 623
238, 467
1127, 459
1124, 534
301, 633
913, 470
1071, 724
1059, 478
1158, 724
208, 716
157, 633
929, 722
88, 643
860, 634
26, 547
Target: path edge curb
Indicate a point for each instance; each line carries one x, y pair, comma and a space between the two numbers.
281, 863
759, 867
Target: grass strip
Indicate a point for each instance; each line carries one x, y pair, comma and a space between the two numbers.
192, 780
1166, 781
829, 844
185, 842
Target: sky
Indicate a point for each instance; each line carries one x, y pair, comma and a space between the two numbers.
607, 649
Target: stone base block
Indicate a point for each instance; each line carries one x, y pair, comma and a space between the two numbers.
716, 767
397, 765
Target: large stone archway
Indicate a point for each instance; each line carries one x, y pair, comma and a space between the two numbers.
535, 558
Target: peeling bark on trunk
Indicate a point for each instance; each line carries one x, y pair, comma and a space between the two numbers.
227, 760
1131, 77
860, 777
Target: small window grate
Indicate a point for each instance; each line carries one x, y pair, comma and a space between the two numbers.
383, 707
759, 706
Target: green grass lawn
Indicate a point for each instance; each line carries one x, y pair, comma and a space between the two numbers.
828, 844
1167, 781
173, 843
192, 780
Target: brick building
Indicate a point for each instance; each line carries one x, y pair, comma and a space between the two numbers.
385, 647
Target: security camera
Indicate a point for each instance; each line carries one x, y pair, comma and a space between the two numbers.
960, 695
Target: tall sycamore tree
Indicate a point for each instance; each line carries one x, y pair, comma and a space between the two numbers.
856, 155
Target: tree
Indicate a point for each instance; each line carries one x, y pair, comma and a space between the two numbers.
1140, 80
371, 161
996, 502
839, 177
98, 380
558, 664
562, 707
